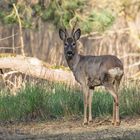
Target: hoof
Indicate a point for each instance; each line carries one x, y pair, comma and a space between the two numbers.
117, 123
85, 123
90, 121
113, 122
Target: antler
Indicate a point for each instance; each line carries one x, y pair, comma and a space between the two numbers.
66, 31
74, 26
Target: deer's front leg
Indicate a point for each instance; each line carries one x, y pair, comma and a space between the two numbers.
90, 105
114, 112
85, 95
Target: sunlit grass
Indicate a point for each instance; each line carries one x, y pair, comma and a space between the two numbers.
47, 101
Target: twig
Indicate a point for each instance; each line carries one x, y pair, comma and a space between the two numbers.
131, 55
9, 73
1, 39
90, 36
20, 30
13, 40
8, 48
135, 75
133, 65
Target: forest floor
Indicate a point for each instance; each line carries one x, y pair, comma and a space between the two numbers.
72, 129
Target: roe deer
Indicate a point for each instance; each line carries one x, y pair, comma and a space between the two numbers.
92, 71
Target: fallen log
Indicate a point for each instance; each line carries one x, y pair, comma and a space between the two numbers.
34, 67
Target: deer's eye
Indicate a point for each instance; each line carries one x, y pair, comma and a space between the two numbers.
73, 44
65, 44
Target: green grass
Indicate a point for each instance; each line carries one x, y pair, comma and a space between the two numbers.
47, 101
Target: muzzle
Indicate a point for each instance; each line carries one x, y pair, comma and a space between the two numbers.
70, 54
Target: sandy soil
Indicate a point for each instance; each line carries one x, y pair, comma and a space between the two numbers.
100, 129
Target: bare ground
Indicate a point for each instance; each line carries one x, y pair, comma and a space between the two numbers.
100, 129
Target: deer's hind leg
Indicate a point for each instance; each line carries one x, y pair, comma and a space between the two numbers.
112, 90
116, 87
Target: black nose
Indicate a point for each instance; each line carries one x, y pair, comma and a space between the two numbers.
69, 52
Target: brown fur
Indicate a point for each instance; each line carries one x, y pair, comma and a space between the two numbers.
92, 71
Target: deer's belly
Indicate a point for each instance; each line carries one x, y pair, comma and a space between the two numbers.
93, 82
90, 81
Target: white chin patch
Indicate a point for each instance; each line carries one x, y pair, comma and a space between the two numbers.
115, 71
69, 55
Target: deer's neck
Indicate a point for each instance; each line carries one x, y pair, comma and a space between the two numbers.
72, 63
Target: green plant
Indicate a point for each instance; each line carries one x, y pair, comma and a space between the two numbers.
55, 100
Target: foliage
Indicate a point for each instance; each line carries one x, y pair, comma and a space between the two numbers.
58, 12
52, 100
61, 12
8, 15
98, 21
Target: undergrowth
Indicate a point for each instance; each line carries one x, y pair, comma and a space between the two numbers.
45, 101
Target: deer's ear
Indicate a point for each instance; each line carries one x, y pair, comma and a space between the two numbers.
62, 34
77, 34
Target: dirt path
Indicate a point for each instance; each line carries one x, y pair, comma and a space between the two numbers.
72, 130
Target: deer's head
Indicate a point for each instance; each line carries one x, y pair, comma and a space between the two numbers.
70, 45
